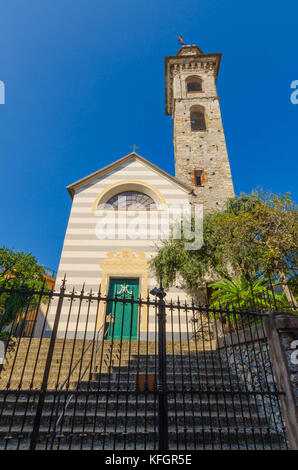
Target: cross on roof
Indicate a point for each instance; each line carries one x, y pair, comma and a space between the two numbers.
134, 147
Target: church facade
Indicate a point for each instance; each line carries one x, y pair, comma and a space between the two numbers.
120, 212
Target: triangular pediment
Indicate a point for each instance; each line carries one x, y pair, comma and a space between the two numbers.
118, 164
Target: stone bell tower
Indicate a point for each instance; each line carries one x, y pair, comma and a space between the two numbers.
201, 158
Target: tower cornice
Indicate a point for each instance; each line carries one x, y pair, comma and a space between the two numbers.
188, 59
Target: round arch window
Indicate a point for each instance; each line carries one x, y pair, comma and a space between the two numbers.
193, 84
131, 201
197, 118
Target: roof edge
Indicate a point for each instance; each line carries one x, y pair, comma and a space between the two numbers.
71, 188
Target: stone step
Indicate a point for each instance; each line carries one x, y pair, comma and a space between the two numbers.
18, 368
177, 366
212, 374
35, 348
23, 406
195, 374
242, 436
144, 351
123, 359
112, 395
141, 420
195, 377
138, 444
21, 356
114, 384
128, 346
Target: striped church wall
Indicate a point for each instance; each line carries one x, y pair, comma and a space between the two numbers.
82, 251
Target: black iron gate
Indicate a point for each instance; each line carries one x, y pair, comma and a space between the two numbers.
195, 378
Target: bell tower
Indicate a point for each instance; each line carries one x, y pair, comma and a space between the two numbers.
201, 158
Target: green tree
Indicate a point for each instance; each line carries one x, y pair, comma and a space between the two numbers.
21, 267
242, 294
22, 271
255, 235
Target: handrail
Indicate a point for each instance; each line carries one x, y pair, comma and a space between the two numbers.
75, 366
58, 418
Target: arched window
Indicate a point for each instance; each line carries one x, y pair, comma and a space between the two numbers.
193, 84
197, 118
131, 201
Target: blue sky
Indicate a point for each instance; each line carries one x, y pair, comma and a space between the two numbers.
85, 81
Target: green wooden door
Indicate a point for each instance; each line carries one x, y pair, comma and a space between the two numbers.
122, 317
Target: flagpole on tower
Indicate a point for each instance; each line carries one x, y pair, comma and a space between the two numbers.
181, 40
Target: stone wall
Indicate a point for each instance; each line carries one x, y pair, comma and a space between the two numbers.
282, 332
263, 359
247, 354
252, 367
287, 340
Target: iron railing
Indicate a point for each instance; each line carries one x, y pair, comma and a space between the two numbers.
194, 377
67, 380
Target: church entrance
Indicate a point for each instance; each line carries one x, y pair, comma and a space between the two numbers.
121, 316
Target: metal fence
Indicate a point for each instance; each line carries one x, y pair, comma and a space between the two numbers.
183, 376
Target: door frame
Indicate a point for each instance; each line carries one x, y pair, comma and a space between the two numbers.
110, 278
125, 263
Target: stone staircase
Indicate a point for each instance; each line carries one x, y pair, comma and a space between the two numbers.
108, 413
